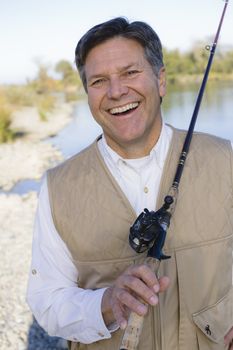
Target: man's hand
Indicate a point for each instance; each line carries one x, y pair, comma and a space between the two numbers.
134, 287
228, 339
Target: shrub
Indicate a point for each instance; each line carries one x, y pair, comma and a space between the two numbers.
45, 104
6, 134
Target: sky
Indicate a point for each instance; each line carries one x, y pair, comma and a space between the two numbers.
47, 31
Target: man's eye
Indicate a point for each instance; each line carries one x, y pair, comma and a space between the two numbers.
132, 72
97, 82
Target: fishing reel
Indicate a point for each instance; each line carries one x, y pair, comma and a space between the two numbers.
148, 233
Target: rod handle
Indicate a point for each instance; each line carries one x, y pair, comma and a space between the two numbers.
132, 332
134, 327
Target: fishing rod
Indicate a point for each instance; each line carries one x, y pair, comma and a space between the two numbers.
148, 233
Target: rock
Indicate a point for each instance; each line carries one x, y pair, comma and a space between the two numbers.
27, 121
25, 160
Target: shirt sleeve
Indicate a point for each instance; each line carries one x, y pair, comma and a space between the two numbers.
58, 304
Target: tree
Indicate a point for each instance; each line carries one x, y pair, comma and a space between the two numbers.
69, 75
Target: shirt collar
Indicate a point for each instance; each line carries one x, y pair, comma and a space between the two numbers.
156, 154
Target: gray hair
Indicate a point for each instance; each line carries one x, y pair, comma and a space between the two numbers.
138, 31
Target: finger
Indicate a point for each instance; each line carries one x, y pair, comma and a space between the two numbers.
132, 303
141, 289
228, 337
144, 273
231, 345
163, 283
119, 315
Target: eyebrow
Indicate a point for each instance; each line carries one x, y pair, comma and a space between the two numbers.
130, 66
122, 69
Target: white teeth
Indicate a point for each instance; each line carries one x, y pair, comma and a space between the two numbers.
125, 108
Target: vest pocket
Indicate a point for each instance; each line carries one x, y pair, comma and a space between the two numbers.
205, 294
214, 322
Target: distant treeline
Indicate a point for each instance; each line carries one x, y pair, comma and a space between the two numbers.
183, 67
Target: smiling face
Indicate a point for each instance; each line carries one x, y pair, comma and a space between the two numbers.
124, 96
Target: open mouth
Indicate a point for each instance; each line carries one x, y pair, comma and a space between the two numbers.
118, 111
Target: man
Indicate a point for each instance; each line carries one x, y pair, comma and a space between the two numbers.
85, 278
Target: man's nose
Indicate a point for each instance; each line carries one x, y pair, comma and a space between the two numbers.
116, 88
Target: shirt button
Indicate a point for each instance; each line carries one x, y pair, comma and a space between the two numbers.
101, 334
146, 189
34, 272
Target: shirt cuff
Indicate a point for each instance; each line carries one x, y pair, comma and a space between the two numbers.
94, 328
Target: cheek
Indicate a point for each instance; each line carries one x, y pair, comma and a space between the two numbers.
95, 108
94, 101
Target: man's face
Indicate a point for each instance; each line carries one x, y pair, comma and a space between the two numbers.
124, 96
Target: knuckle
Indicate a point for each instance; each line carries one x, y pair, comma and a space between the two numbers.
122, 295
121, 280
142, 269
127, 299
133, 282
135, 269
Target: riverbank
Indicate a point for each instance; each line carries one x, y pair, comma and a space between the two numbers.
28, 157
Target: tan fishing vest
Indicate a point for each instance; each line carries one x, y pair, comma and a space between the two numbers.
93, 216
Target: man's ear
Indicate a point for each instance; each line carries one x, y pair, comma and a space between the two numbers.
162, 82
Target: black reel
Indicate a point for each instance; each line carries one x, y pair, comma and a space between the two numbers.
148, 233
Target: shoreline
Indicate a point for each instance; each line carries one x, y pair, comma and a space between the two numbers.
27, 157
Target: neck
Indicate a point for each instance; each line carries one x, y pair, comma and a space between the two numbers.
132, 150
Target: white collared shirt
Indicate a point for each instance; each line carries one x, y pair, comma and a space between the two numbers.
59, 305
140, 178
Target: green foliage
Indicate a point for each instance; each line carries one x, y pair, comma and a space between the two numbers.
45, 104
39, 92
6, 134
189, 66
20, 95
43, 82
67, 72
70, 81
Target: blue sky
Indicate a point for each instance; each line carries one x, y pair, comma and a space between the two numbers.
48, 30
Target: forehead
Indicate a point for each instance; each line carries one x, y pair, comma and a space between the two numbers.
114, 53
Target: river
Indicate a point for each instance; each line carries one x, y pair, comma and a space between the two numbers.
215, 117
